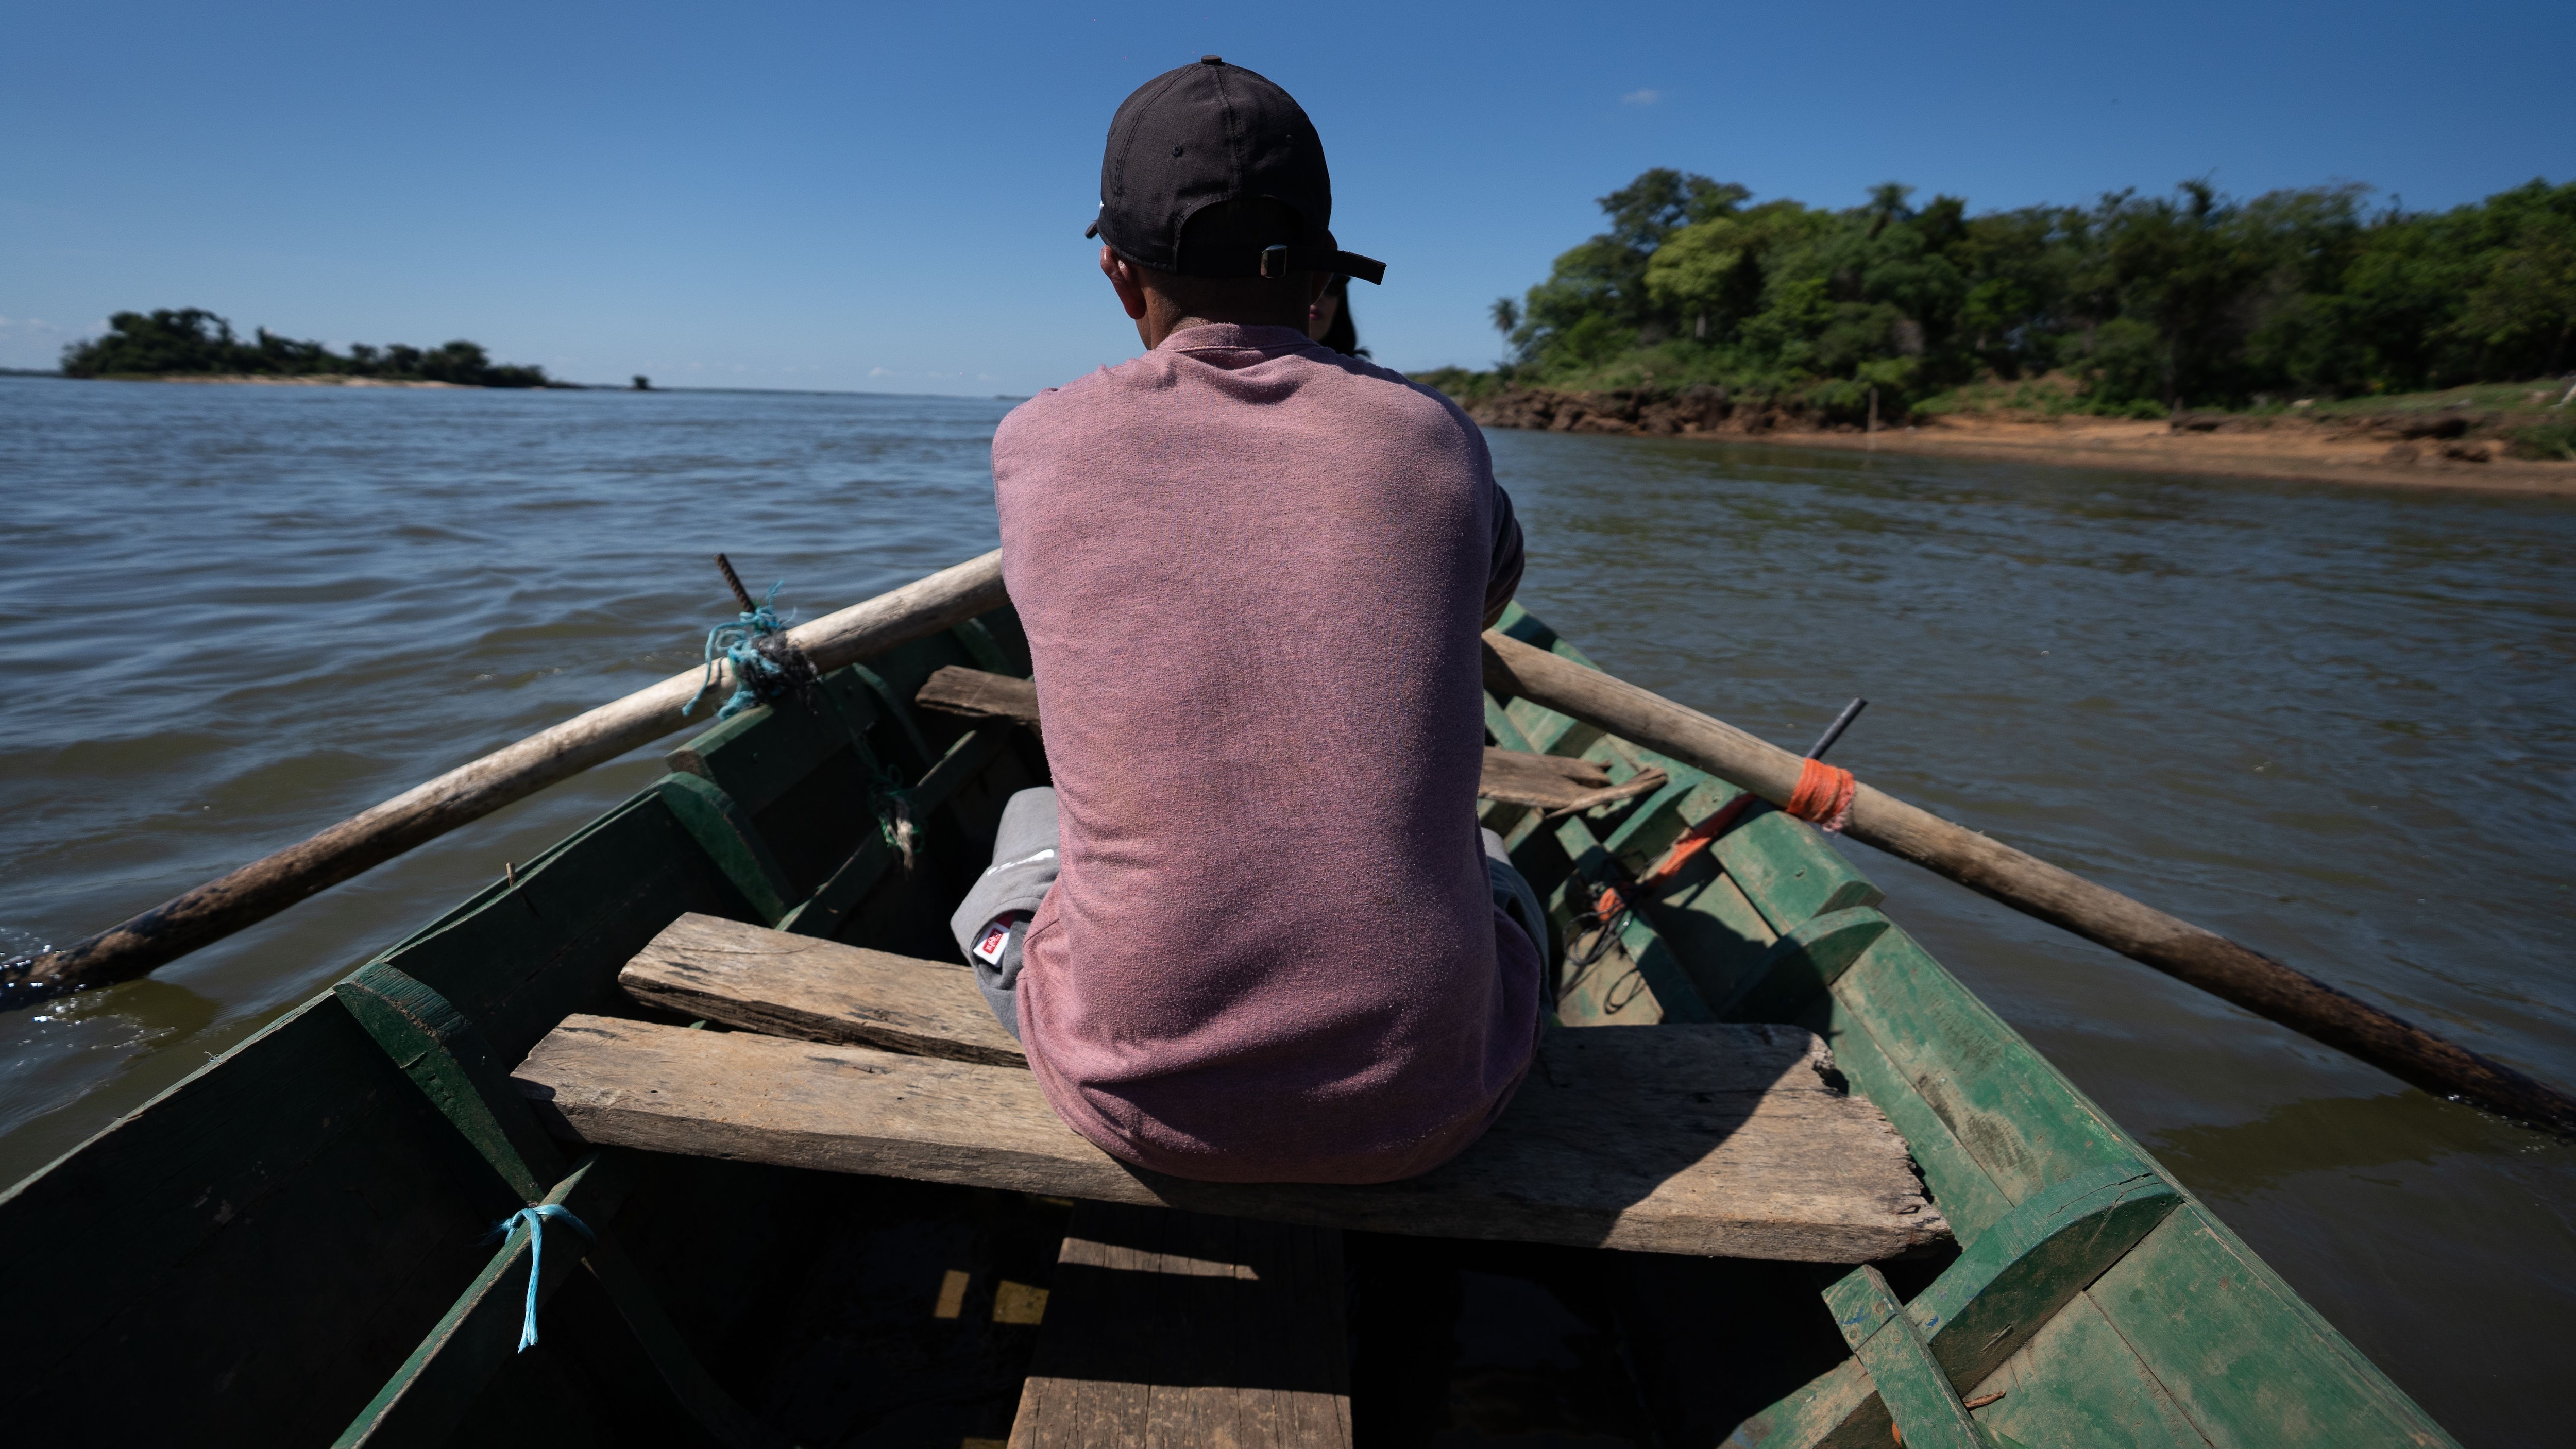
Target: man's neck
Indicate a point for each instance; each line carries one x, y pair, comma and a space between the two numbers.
1162, 318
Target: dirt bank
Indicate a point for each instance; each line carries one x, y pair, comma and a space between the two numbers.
2420, 450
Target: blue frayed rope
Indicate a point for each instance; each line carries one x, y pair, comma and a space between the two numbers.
758, 675
535, 1218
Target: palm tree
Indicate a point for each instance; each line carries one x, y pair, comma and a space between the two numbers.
1886, 204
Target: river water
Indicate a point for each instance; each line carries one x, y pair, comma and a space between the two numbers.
2338, 725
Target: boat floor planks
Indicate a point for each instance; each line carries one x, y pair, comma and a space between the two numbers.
1715, 1140
1168, 1330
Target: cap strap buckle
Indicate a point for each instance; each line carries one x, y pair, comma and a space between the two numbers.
1274, 261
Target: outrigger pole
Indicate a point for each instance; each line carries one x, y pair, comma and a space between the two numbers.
945, 599
2030, 885
468, 793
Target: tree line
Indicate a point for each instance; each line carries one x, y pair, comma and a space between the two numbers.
2144, 304
192, 341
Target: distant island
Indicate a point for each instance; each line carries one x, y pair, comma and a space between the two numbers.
189, 342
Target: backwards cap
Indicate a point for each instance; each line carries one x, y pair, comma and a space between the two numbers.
1211, 132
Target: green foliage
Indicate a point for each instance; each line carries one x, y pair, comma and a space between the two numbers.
191, 340
2149, 303
2555, 441
1458, 382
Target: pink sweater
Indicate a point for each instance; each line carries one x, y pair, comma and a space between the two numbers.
1253, 572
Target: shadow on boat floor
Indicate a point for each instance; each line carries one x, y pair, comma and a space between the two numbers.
1461, 1344
875, 1313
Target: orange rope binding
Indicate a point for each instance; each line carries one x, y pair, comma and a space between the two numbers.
1691, 842
1823, 799
1824, 796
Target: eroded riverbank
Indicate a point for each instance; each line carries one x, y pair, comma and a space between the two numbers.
2451, 452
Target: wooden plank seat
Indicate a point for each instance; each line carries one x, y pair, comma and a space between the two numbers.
1162, 1328
1173, 1330
788, 985
1723, 1140
1552, 783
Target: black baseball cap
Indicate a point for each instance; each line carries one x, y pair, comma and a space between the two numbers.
1212, 132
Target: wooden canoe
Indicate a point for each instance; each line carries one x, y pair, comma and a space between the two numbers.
295, 1245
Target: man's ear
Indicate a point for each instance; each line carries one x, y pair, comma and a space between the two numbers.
1124, 281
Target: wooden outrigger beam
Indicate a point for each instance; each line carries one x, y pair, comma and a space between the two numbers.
469, 792
2028, 884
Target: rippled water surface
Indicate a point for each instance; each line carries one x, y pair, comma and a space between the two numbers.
2338, 725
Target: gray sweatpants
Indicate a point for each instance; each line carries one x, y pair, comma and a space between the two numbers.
993, 920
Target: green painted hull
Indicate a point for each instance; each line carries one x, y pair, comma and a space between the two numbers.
294, 1245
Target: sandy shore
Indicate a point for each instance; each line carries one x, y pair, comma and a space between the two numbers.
2451, 447
2291, 451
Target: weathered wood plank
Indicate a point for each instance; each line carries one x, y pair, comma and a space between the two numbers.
1917, 1394
1545, 730
1788, 871
1967, 1194
977, 694
2026, 1125
816, 990
2078, 1382
1173, 1330
2007, 1286
1532, 779
1557, 784
2019, 1274
1721, 1140
2248, 1360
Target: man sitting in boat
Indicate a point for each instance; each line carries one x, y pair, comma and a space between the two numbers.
1253, 933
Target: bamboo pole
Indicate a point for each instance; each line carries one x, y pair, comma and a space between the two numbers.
2140, 932
468, 793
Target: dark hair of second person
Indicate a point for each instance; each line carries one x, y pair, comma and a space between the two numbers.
1329, 320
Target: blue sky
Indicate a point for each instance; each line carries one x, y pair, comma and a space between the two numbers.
859, 197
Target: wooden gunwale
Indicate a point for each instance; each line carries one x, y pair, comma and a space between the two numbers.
1993, 1124
310, 1112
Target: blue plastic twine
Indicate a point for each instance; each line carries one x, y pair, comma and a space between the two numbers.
535, 1218
732, 643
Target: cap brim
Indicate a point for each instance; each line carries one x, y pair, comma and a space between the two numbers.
1092, 230
1367, 269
